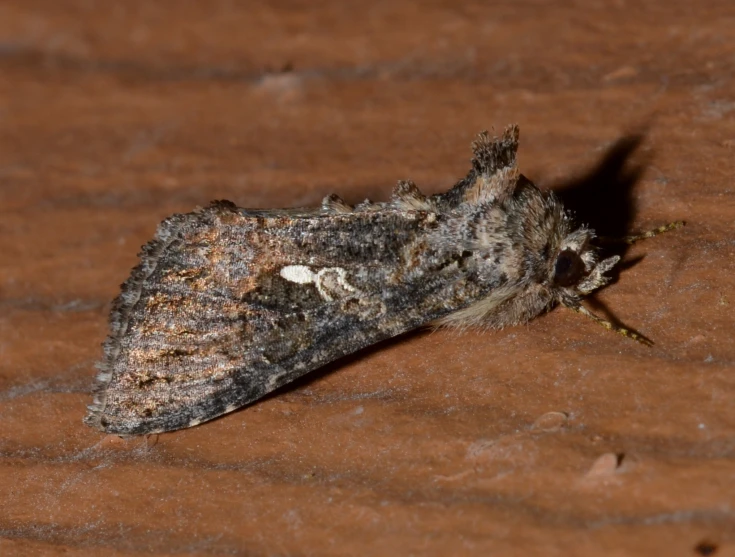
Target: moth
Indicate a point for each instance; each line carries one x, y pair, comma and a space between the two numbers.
228, 304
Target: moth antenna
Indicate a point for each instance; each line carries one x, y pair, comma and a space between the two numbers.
642, 236
610, 326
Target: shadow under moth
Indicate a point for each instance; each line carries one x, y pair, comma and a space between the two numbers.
228, 304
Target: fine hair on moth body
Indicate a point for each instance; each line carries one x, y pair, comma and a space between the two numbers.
228, 304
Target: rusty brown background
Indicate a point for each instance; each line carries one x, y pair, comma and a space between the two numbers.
555, 438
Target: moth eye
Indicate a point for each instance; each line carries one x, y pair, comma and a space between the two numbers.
568, 269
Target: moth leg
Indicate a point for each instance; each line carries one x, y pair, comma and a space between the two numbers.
642, 236
597, 278
610, 326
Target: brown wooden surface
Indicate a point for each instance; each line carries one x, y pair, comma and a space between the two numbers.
113, 116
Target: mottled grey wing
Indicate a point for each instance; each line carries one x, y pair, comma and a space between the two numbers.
227, 305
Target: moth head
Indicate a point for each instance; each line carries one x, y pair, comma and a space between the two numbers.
577, 269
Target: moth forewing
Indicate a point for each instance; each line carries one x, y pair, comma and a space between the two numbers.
227, 306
